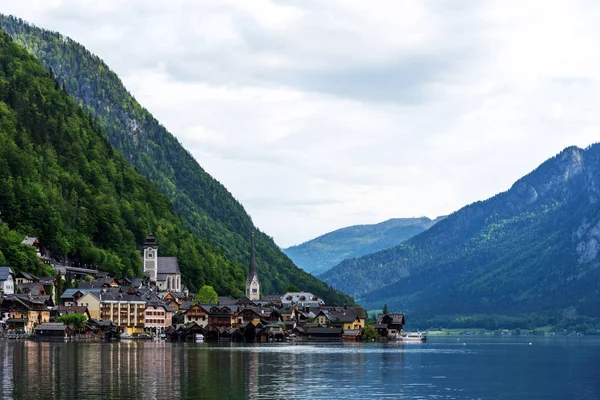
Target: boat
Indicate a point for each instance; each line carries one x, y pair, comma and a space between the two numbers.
412, 337
199, 338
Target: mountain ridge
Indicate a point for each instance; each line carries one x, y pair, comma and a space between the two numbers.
502, 256
325, 251
206, 206
62, 181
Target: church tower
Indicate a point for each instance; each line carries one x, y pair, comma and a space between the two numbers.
252, 285
151, 258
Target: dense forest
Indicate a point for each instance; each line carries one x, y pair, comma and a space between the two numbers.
207, 208
530, 254
62, 181
320, 254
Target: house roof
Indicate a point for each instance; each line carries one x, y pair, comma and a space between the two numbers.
46, 280
344, 314
301, 297
69, 293
244, 300
271, 297
226, 300
27, 276
34, 288
28, 301
5, 272
29, 240
51, 326
71, 309
396, 318
168, 265
185, 305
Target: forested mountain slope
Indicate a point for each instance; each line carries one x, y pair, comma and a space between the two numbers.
62, 181
530, 252
319, 255
205, 205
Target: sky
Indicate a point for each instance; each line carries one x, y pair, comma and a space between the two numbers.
322, 114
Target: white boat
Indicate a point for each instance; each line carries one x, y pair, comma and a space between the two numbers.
414, 337
199, 338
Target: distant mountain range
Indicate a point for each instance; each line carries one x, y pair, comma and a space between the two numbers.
319, 255
208, 209
528, 256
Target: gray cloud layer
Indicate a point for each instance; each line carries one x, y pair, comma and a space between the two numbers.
318, 115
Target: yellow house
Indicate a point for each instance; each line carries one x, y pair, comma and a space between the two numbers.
347, 318
92, 302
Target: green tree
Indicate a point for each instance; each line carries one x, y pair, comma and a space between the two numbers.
292, 288
385, 309
77, 321
206, 295
370, 334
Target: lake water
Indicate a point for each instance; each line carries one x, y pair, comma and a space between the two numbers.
482, 367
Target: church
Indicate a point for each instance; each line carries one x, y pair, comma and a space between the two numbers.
252, 284
162, 272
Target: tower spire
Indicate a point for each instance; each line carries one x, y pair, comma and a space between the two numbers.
252, 284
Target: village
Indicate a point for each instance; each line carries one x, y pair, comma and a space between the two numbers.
160, 307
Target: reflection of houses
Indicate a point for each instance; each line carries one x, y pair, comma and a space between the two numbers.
7, 281
389, 325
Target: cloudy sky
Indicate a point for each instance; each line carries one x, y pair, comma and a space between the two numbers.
322, 114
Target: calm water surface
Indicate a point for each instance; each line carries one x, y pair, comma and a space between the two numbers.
445, 368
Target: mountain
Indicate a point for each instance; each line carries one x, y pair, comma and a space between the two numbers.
206, 206
526, 256
62, 181
319, 255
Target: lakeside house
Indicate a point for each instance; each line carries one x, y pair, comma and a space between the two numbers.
389, 326
53, 330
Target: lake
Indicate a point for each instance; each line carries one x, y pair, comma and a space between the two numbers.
449, 367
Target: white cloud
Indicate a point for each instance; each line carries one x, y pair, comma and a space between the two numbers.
318, 115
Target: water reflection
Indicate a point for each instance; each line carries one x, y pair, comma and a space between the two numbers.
158, 370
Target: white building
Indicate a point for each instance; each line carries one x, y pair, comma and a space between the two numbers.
7, 280
163, 272
304, 299
252, 284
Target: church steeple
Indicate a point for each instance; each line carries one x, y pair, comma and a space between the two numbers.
151, 258
252, 284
